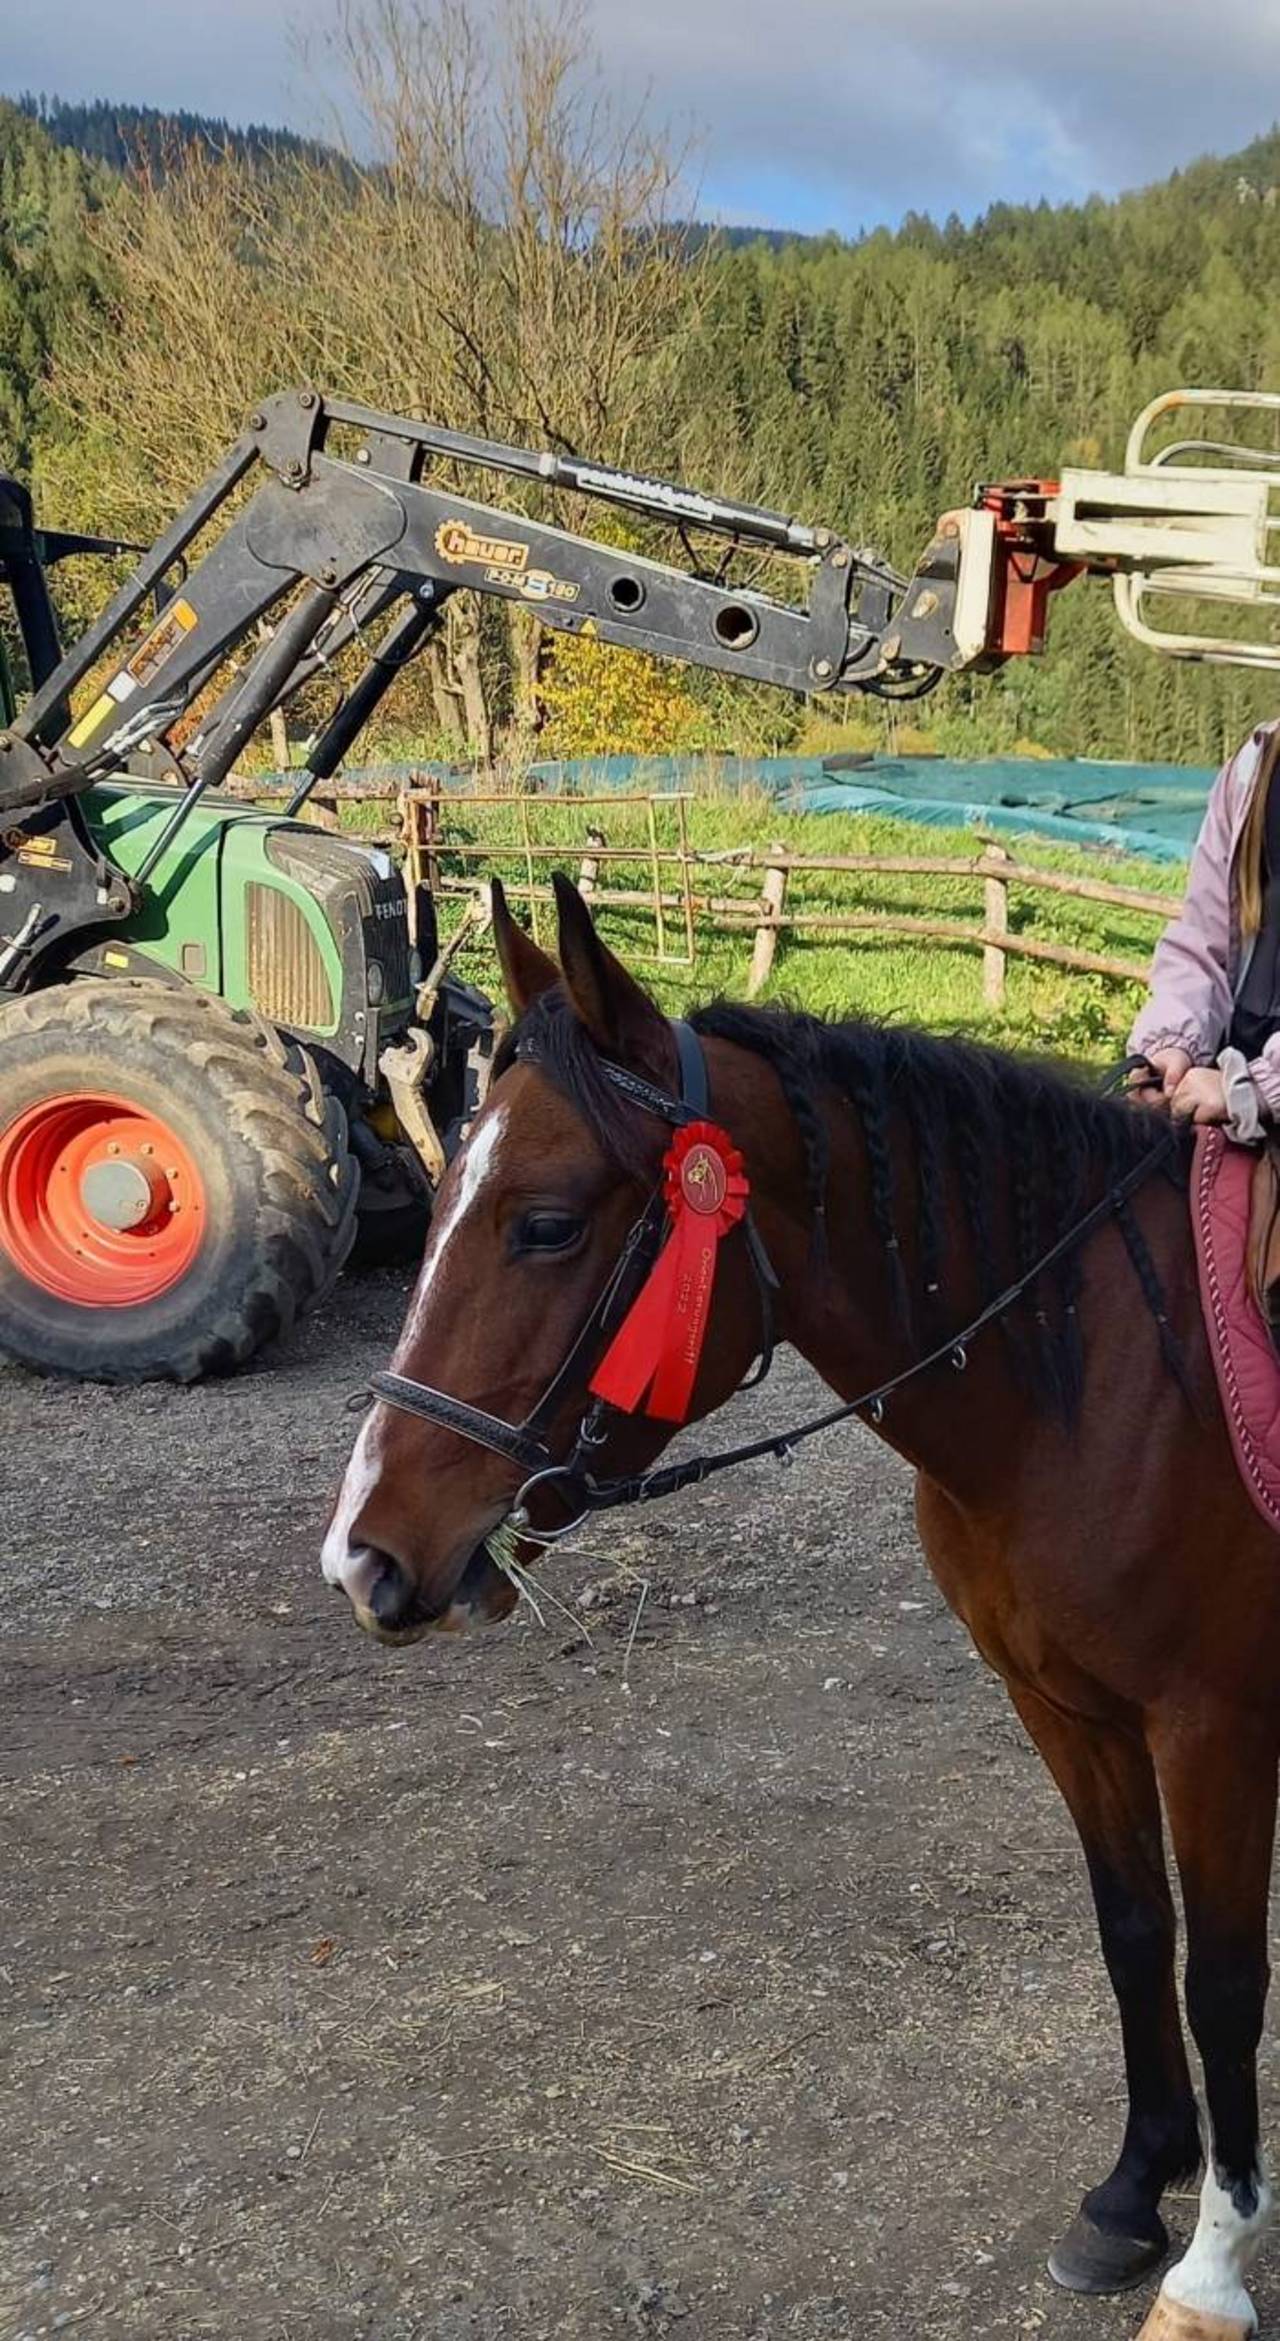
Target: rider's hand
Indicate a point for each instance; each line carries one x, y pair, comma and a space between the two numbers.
1172, 1065
1201, 1096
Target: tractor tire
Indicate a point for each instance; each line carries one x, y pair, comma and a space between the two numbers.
175, 1182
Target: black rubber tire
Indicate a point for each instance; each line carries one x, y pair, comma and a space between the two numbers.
281, 1184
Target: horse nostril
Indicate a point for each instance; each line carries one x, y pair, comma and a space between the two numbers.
391, 1597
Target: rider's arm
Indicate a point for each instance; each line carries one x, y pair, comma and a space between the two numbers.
1188, 1005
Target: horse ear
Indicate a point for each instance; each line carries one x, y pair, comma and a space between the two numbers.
526, 969
620, 1017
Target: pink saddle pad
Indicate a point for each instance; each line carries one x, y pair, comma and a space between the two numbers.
1246, 1365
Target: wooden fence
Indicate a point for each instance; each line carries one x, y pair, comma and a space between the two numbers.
679, 879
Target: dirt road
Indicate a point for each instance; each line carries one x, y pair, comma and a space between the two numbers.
493, 1989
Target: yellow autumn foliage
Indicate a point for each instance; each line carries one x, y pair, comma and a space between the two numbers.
598, 701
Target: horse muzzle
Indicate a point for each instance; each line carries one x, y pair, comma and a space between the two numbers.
394, 1610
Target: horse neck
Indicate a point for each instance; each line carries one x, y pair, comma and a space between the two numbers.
857, 1309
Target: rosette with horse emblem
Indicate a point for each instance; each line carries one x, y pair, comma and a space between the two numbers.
654, 1355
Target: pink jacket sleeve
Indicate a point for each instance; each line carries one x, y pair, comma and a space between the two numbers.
1189, 1003
1264, 1072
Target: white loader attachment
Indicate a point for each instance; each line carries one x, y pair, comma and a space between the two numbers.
1193, 518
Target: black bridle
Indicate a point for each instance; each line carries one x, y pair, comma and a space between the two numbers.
525, 1443
574, 1482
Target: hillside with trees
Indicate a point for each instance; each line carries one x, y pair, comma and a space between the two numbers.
129, 138
505, 255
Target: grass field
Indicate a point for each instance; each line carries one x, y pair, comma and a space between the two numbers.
1078, 1015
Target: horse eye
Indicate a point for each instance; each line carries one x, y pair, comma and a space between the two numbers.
548, 1231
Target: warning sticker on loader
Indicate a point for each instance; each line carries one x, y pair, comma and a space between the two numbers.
174, 626
41, 853
178, 620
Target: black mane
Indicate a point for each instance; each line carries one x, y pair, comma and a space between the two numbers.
1021, 1144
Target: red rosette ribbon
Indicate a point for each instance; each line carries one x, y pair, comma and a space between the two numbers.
656, 1349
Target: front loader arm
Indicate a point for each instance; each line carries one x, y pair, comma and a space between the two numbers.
322, 543
330, 536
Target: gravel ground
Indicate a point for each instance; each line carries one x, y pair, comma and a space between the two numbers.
745, 1991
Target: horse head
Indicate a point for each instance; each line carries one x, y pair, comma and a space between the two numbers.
529, 1225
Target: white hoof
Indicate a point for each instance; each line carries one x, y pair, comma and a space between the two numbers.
1172, 2320
1204, 2297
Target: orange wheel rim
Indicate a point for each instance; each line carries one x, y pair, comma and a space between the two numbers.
100, 1201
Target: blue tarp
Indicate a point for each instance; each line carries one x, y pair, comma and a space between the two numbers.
1151, 809
1148, 809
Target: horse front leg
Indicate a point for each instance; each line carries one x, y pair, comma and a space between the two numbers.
1219, 1785
1107, 1778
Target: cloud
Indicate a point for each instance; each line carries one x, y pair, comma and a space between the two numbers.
952, 103
818, 112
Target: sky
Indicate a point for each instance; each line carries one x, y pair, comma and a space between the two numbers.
809, 114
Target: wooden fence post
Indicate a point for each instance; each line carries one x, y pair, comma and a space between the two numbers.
996, 901
411, 839
431, 823
682, 825
279, 730
659, 922
772, 896
590, 869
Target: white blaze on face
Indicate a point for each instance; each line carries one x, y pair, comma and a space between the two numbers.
341, 1559
338, 1555
477, 1164
1209, 2277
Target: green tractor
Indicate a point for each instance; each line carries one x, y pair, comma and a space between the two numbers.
230, 1053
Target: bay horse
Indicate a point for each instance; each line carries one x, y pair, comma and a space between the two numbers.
1076, 1493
